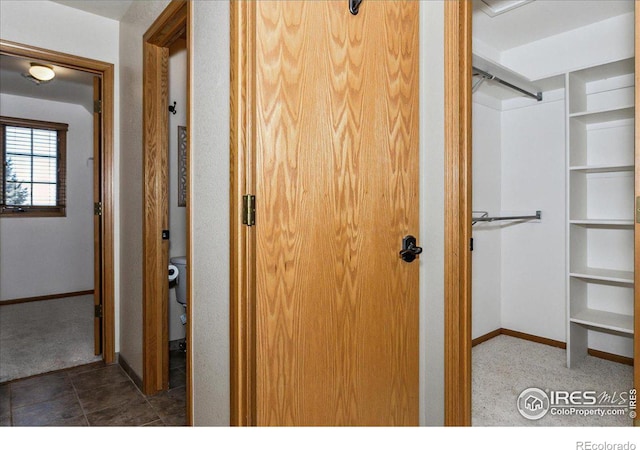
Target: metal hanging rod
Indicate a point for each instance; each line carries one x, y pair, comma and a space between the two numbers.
487, 76
486, 218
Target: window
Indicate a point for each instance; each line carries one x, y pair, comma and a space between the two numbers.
33, 175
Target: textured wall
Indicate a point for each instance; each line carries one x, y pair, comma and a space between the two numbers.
210, 210
432, 213
133, 25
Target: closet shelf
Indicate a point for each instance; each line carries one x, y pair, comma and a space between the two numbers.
614, 276
602, 319
604, 223
604, 115
602, 168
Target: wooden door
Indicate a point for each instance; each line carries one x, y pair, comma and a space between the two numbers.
335, 174
97, 216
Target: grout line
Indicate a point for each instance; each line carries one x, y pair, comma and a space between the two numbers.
75, 391
10, 407
146, 399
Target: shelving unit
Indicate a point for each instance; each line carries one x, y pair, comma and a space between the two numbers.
600, 208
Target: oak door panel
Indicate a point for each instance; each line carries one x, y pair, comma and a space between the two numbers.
336, 183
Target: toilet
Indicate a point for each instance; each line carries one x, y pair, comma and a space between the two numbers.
181, 282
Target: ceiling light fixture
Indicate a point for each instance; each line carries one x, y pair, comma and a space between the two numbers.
41, 72
496, 7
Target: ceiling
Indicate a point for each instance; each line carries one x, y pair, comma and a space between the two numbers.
112, 9
540, 19
69, 86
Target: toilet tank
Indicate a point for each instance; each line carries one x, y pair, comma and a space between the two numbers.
181, 282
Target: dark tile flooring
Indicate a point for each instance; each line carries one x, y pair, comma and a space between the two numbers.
93, 395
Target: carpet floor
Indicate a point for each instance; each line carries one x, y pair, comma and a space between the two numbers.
38, 337
505, 366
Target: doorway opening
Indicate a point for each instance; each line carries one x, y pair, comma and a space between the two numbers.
100, 162
553, 135
168, 35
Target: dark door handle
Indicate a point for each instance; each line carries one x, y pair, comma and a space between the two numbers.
409, 250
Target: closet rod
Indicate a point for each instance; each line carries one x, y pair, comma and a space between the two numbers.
485, 217
488, 76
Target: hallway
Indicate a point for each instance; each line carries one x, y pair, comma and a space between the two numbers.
93, 395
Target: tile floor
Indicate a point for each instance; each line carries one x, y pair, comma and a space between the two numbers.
93, 395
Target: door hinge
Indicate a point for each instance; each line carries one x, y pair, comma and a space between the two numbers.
97, 106
249, 210
97, 209
97, 311
471, 244
637, 209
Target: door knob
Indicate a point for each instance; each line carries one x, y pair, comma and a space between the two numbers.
409, 250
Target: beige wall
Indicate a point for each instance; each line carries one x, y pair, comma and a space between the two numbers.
432, 212
210, 212
132, 26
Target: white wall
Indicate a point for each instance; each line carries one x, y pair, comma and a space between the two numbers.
518, 268
52, 255
56, 27
486, 257
177, 214
518, 168
533, 253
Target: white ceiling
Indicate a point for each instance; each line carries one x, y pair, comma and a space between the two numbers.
542, 18
112, 9
69, 86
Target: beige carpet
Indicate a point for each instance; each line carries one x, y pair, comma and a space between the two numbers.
504, 366
39, 337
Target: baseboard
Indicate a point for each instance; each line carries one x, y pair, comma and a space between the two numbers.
486, 337
45, 297
552, 342
533, 338
611, 357
127, 368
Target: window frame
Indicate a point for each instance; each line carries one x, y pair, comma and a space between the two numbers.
59, 210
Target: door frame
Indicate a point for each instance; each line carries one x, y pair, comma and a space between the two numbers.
242, 241
173, 23
105, 264
458, 151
